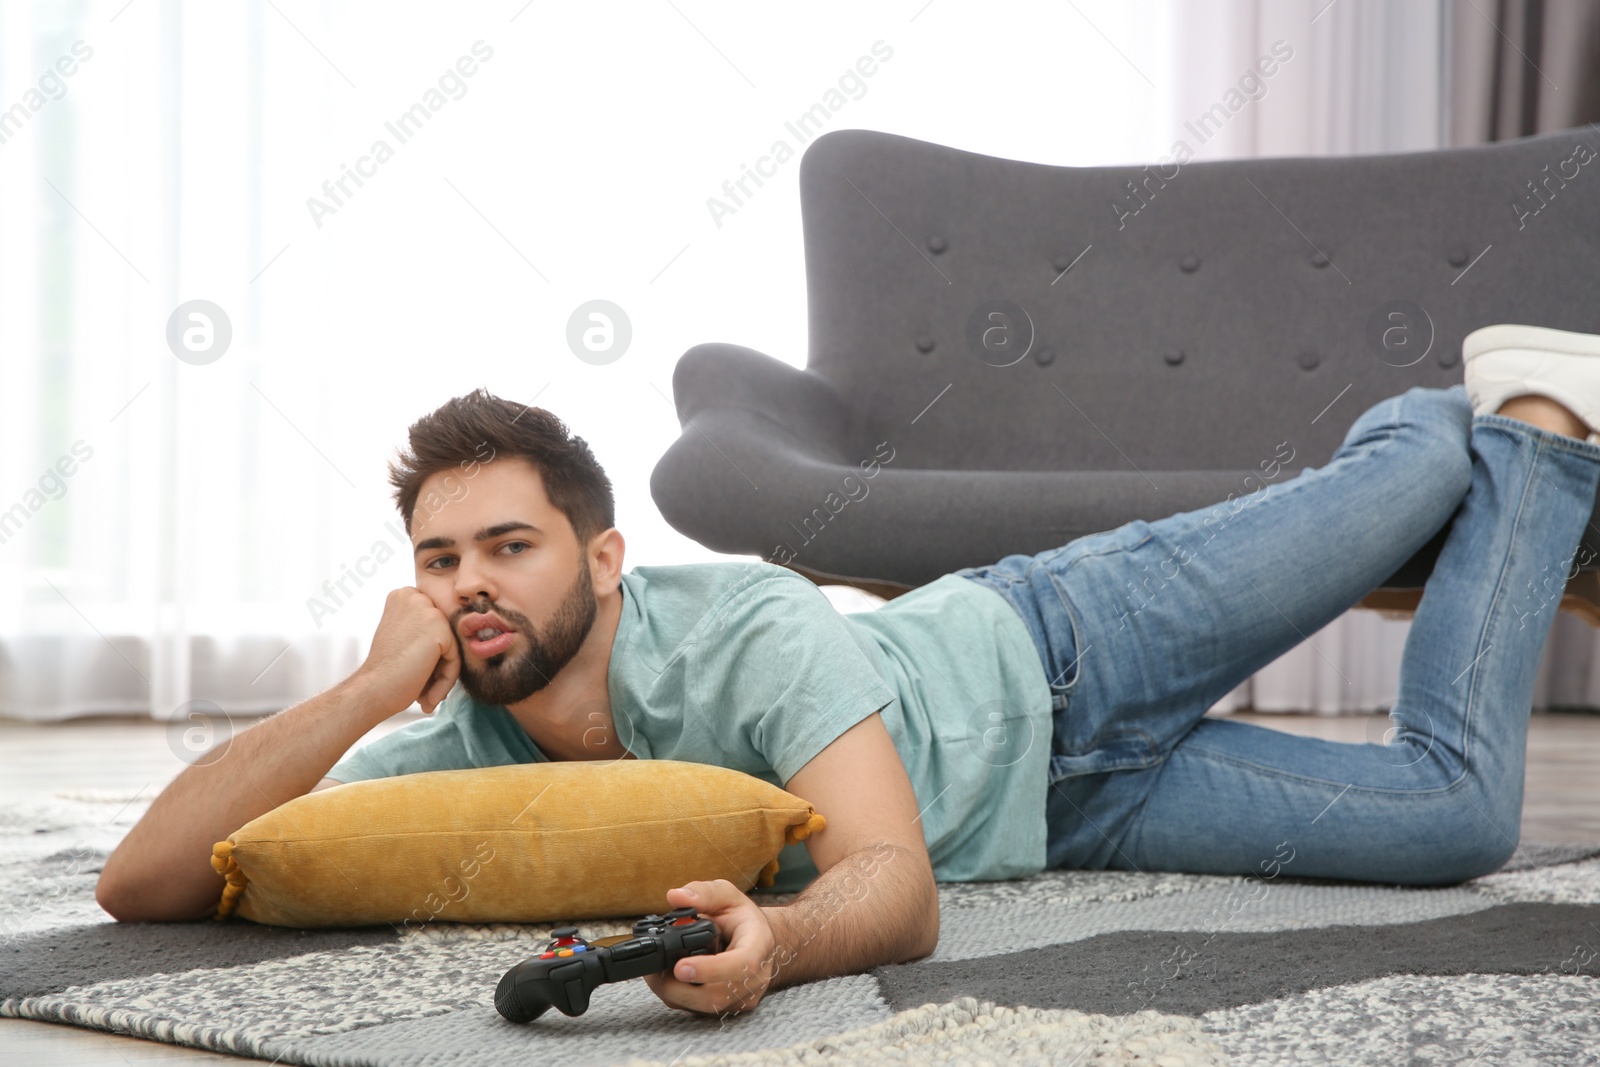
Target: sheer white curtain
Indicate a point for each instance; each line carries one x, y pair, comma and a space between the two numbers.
179, 560
1366, 76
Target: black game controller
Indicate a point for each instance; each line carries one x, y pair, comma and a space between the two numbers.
570, 968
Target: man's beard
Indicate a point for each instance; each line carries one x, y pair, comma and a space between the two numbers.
510, 676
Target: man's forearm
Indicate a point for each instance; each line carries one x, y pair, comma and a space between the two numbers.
162, 870
879, 905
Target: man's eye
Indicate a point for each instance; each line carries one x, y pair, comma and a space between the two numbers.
436, 559
517, 544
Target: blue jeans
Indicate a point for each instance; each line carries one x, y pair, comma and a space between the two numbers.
1143, 628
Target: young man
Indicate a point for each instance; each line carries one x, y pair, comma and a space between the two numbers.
926, 731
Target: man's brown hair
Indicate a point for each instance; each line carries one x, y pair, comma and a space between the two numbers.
479, 427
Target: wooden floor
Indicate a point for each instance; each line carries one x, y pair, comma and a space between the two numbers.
1562, 803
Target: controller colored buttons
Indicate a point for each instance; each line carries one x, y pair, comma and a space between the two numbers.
564, 952
546, 955
580, 948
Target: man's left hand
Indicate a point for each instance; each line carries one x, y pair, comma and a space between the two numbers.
734, 979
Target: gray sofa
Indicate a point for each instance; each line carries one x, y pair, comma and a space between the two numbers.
1004, 356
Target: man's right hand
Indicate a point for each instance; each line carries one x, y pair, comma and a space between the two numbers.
414, 654
162, 870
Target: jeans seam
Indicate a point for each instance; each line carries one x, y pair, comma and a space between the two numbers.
1473, 690
1455, 785
1095, 553
1395, 403
1098, 742
1071, 613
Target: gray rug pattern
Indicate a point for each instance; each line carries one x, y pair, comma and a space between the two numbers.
1474, 1019
1193, 972
1068, 966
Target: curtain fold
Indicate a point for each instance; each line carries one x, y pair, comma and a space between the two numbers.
162, 523
1520, 67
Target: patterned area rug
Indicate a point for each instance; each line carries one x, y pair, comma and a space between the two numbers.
1083, 967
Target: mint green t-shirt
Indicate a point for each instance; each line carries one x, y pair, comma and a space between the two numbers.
747, 665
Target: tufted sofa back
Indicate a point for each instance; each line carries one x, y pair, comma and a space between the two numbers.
1189, 316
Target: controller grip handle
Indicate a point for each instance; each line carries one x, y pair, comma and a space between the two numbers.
518, 1003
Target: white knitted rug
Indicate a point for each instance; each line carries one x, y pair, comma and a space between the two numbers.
1082, 967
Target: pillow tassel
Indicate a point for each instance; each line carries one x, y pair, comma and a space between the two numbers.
223, 863
795, 834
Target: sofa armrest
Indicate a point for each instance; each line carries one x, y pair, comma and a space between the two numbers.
732, 377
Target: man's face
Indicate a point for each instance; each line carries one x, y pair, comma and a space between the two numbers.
492, 544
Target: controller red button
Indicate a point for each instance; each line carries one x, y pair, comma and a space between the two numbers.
547, 955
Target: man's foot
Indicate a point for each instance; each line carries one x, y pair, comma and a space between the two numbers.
1550, 378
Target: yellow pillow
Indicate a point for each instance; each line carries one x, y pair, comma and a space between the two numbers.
532, 842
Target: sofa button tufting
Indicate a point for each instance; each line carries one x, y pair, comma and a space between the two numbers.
1309, 360
1458, 257
1190, 263
1319, 260
1044, 357
924, 344
1173, 356
936, 244
1448, 356
1061, 262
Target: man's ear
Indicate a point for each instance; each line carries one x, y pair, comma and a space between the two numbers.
606, 564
